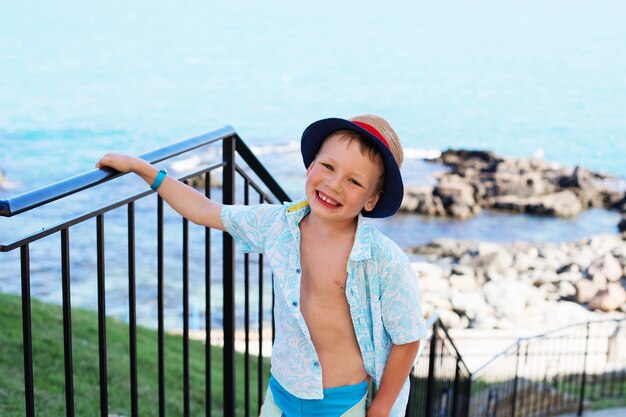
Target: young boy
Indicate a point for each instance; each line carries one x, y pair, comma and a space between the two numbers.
346, 300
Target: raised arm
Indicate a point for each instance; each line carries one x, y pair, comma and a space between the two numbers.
184, 199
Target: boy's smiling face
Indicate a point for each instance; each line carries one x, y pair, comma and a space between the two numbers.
343, 180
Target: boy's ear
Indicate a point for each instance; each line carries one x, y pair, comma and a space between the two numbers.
371, 203
310, 166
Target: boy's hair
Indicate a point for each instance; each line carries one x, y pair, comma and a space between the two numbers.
366, 147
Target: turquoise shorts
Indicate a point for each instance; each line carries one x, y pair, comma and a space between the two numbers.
346, 401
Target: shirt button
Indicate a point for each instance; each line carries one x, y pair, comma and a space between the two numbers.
316, 364
294, 303
298, 270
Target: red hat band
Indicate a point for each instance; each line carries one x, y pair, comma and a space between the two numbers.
372, 130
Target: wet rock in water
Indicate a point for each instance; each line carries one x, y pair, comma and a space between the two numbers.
481, 179
622, 225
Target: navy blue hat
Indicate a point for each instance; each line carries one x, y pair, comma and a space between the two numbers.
382, 136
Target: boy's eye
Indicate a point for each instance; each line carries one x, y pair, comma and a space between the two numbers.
355, 182
327, 166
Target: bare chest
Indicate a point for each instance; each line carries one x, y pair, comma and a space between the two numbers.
324, 269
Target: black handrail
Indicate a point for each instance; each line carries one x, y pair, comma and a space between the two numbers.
542, 335
40, 196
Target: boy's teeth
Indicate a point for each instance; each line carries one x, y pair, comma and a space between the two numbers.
328, 200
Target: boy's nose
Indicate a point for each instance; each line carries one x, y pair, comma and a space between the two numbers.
334, 183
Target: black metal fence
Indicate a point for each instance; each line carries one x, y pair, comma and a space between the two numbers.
256, 186
553, 373
440, 381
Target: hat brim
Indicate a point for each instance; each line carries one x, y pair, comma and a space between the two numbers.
393, 190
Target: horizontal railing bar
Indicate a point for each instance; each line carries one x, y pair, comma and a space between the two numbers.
40, 196
260, 170
47, 232
544, 335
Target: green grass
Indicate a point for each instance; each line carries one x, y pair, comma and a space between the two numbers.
48, 364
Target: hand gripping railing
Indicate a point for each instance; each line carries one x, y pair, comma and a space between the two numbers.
233, 148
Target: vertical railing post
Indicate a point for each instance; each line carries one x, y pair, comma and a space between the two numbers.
581, 399
246, 373
430, 385
207, 303
29, 389
468, 395
186, 386
228, 197
515, 381
456, 387
102, 332
160, 307
132, 312
67, 323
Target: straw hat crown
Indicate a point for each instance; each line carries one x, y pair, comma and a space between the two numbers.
387, 132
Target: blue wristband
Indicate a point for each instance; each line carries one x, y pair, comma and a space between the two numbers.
159, 179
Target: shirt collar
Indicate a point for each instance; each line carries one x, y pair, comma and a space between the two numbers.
362, 248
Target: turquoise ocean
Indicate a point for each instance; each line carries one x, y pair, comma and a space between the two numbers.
79, 79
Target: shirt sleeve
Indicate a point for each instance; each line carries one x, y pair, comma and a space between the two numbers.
400, 303
250, 225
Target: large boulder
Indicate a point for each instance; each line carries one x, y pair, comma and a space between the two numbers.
562, 204
457, 198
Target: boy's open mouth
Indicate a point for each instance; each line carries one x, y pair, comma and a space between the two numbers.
326, 200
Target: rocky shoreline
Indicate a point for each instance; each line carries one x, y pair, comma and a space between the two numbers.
481, 179
522, 285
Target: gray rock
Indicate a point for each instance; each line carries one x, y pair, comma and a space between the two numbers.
583, 257
586, 290
437, 300
507, 297
457, 197
602, 244
619, 252
463, 282
570, 277
566, 289
606, 266
561, 204
472, 304
419, 199
427, 269
483, 322
453, 320
610, 299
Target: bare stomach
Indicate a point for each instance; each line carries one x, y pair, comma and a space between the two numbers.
334, 339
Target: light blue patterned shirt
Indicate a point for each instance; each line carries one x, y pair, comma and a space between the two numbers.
381, 290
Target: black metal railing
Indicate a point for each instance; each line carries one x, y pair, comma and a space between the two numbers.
440, 381
255, 180
553, 373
